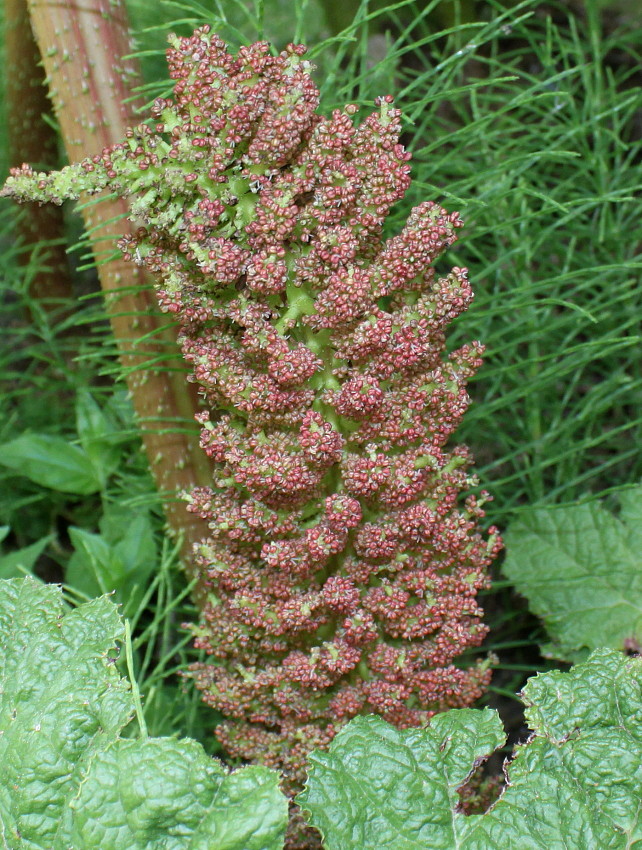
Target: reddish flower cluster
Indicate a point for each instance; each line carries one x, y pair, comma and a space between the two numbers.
343, 564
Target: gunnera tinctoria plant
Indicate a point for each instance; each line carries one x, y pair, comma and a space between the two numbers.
344, 557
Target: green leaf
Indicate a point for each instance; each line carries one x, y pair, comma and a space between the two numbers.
91, 422
101, 564
97, 435
576, 784
16, 563
382, 787
92, 568
70, 782
4, 531
135, 790
60, 699
581, 570
51, 462
138, 554
137, 547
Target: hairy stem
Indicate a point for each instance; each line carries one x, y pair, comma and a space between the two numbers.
31, 139
81, 48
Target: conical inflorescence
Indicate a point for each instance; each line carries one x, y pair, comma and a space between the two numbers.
344, 555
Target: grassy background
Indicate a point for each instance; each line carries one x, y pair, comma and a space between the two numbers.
526, 117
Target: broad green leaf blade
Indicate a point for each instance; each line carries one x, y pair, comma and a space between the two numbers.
93, 567
601, 691
91, 423
581, 570
630, 513
103, 565
97, 435
606, 706
138, 554
137, 548
577, 784
381, 787
52, 462
69, 782
138, 793
60, 697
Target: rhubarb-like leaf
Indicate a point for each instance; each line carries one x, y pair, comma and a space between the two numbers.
161, 792
576, 784
69, 782
581, 570
381, 787
61, 698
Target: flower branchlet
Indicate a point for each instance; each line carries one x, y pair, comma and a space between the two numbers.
344, 558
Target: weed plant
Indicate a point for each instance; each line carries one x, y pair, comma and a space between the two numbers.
525, 117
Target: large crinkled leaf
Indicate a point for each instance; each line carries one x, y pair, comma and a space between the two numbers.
581, 570
577, 784
69, 782
167, 793
60, 698
382, 787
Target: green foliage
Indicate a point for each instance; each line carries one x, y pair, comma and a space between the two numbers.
141, 794
528, 123
54, 462
382, 787
580, 569
19, 561
99, 435
112, 541
120, 559
575, 784
70, 781
51, 462
122, 556
528, 127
